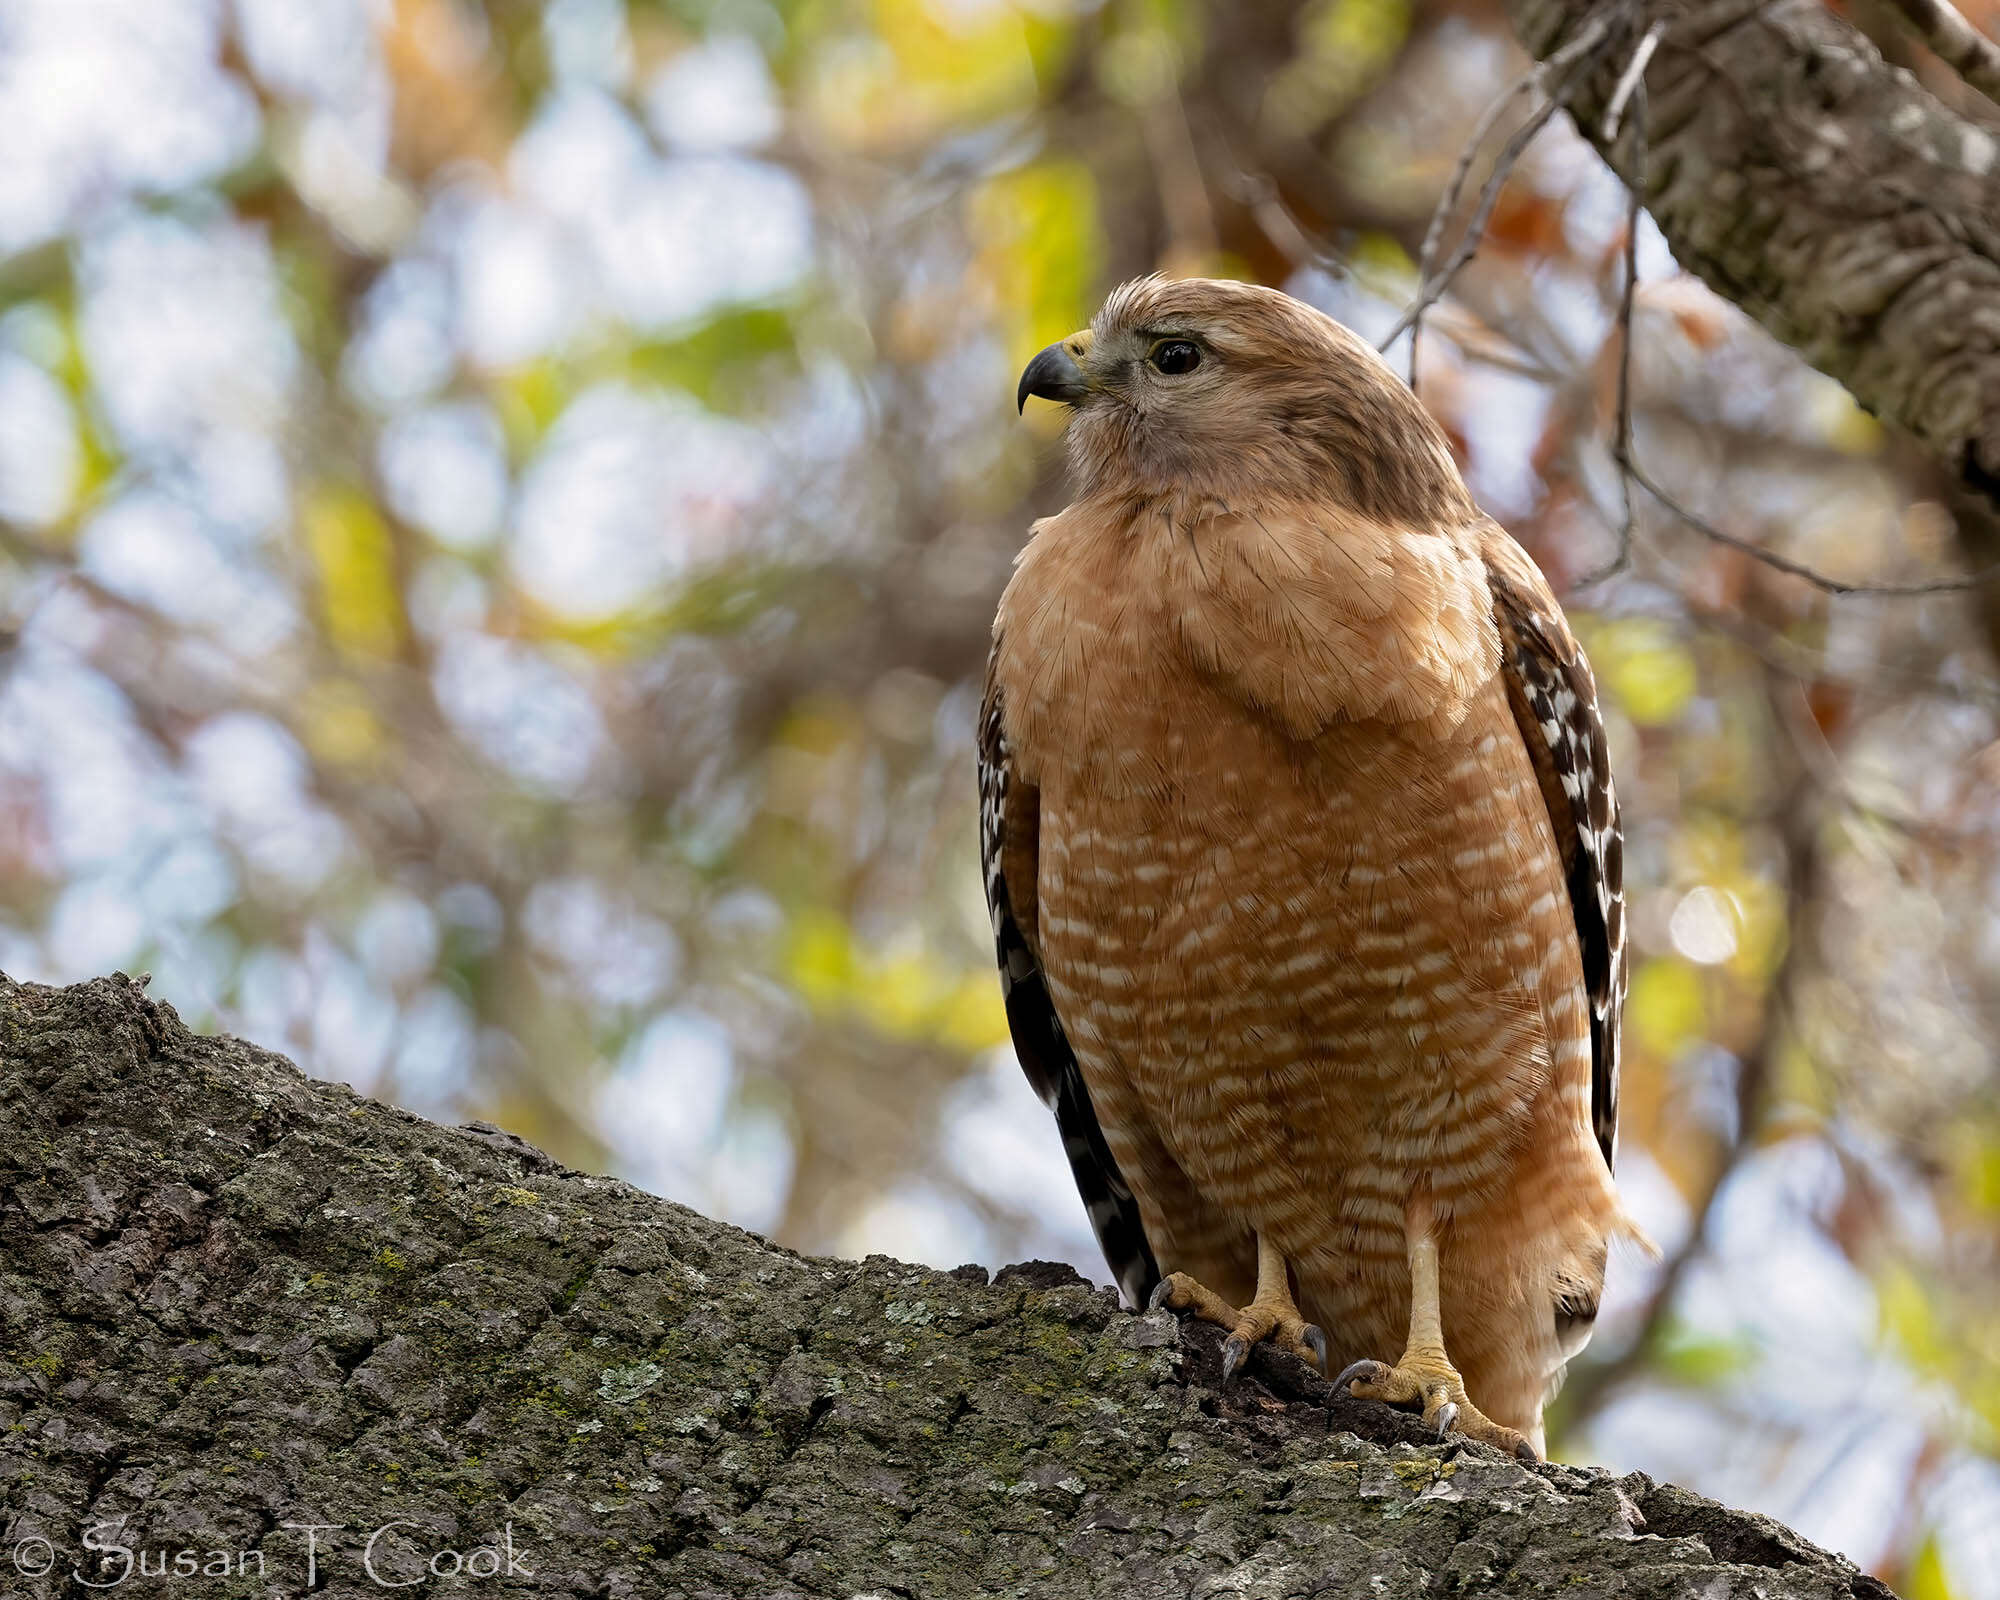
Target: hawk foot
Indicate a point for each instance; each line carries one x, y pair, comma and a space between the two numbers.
1271, 1317
1428, 1378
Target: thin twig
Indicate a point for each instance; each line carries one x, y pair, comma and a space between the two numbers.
1475, 232
1632, 88
1629, 80
1535, 78
1817, 754
1783, 654
1585, 41
1621, 444
1479, 342
1954, 41
1785, 564
1178, 176
1259, 194
1447, 202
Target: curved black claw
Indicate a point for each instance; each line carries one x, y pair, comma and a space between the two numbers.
1447, 1418
1315, 1341
1159, 1295
1235, 1351
1363, 1371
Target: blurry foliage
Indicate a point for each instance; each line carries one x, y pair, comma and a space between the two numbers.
1041, 259
500, 511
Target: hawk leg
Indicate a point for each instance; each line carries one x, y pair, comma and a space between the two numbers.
1425, 1374
1272, 1315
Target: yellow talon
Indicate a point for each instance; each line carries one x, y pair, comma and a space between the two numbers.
1427, 1378
1270, 1317
1425, 1375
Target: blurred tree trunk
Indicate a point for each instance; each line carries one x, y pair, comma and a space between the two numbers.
244, 1311
1832, 198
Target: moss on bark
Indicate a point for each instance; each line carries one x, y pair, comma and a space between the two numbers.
234, 1301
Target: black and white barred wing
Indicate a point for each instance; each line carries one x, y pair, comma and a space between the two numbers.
1555, 705
1009, 838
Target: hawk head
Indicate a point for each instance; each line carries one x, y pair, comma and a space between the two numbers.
1216, 389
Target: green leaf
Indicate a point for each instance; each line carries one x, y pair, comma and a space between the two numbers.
713, 362
1701, 1360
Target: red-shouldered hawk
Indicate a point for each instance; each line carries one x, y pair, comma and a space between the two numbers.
1304, 863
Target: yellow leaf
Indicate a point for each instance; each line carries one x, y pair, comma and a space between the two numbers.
1909, 1318
900, 994
927, 68
1381, 265
1925, 1577
1667, 1006
349, 544
819, 959
1797, 1080
1042, 249
1647, 669
1763, 929
902, 990
338, 724
1843, 424
1974, 1151
973, 1017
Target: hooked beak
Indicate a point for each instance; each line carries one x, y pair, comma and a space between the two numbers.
1055, 374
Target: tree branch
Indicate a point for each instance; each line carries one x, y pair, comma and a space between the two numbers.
1534, 81
1824, 582
1831, 198
236, 1303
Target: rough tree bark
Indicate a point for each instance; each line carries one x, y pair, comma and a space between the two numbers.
1831, 197
233, 1301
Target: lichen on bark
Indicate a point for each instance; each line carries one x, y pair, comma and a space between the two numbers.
234, 1301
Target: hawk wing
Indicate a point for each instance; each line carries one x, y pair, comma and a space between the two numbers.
1009, 832
1554, 697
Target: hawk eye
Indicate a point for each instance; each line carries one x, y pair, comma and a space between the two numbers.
1175, 356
